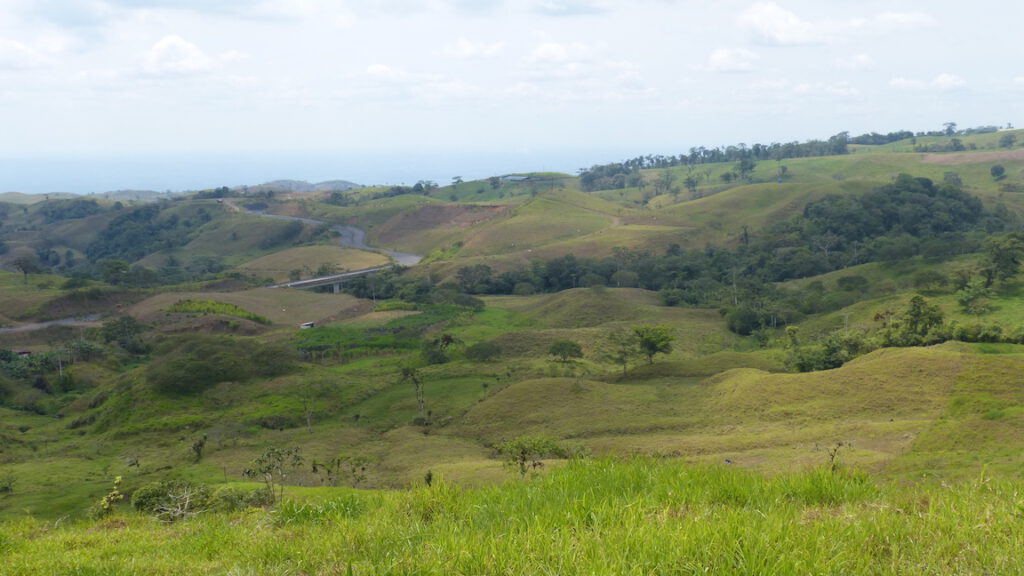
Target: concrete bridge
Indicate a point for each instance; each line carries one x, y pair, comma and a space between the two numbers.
334, 280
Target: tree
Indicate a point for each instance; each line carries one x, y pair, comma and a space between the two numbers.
115, 271
197, 447
474, 279
745, 167
26, 265
273, 467
565, 349
663, 183
1007, 140
1004, 255
526, 452
124, 330
691, 185
654, 340
998, 172
331, 471
410, 375
974, 298
623, 348
921, 316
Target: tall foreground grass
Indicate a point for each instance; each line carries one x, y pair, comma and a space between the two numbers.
590, 517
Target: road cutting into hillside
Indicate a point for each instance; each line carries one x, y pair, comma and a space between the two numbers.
349, 236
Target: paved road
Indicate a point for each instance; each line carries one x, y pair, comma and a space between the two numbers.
64, 322
350, 236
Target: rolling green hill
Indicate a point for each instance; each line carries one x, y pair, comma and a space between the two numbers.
430, 369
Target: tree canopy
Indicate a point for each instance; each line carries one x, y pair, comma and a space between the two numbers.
654, 340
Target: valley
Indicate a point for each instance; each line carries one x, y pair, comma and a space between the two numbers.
839, 334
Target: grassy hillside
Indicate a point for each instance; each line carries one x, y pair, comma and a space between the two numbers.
425, 373
308, 259
603, 517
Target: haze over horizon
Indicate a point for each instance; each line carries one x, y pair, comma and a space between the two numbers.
99, 95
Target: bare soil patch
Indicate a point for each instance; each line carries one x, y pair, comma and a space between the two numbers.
432, 216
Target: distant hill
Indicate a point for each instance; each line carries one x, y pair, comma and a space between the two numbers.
21, 198
276, 186
292, 186
134, 195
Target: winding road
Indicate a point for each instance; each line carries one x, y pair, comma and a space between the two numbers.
350, 236
84, 320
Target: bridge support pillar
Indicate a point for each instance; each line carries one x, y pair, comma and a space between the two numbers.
337, 287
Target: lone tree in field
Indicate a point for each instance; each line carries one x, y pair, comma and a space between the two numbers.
526, 453
273, 467
998, 172
654, 340
565, 349
26, 265
623, 348
410, 375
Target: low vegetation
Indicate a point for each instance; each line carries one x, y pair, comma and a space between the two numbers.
215, 307
587, 517
770, 359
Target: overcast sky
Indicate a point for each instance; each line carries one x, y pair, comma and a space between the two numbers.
104, 94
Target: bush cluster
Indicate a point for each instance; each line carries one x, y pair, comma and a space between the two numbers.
172, 500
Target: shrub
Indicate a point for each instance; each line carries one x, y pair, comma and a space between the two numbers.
172, 500
526, 453
565, 349
291, 512
105, 506
233, 498
483, 352
192, 363
742, 321
216, 307
852, 283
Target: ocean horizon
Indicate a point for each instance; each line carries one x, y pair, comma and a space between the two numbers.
181, 173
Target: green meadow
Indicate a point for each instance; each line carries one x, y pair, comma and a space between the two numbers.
635, 516
792, 426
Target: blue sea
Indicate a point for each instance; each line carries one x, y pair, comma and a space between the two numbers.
180, 172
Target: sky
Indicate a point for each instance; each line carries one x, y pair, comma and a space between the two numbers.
100, 95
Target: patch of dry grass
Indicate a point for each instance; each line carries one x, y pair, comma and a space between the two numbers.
308, 259
285, 306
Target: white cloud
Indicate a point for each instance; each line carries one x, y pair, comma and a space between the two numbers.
18, 56
772, 24
386, 72
391, 83
732, 60
943, 82
839, 89
903, 20
173, 55
553, 60
467, 49
857, 62
948, 82
570, 7
553, 52
907, 83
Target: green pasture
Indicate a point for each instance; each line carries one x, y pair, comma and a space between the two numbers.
638, 516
